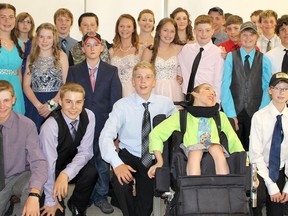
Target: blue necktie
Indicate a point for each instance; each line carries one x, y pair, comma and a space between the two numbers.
274, 158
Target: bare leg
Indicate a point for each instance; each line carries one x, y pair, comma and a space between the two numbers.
221, 165
193, 165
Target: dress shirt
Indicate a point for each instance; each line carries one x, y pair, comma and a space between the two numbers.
262, 127
21, 147
69, 43
227, 99
96, 66
263, 41
210, 68
276, 57
49, 142
220, 37
126, 121
164, 130
229, 45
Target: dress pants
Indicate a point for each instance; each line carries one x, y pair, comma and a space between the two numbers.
272, 208
244, 123
142, 203
15, 185
84, 184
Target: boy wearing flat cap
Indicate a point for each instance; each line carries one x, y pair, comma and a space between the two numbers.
245, 82
269, 148
103, 88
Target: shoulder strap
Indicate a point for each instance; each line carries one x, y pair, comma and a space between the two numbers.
217, 120
183, 120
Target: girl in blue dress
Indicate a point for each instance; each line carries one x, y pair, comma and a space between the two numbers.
46, 71
11, 54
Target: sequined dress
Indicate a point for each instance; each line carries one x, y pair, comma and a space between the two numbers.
10, 62
166, 84
46, 81
125, 67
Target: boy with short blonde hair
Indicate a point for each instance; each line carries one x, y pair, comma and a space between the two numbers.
268, 39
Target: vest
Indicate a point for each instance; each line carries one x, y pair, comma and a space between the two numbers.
247, 90
67, 148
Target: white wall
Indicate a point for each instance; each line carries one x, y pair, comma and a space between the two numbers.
108, 11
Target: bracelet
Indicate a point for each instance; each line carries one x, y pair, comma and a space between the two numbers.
34, 195
51, 105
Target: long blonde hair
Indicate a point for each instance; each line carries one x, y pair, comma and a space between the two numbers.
35, 49
117, 38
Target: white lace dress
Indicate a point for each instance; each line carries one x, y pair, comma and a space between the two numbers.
125, 67
166, 84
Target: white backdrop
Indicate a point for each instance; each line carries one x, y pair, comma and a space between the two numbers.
109, 10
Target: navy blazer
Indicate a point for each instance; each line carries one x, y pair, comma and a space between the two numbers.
108, 90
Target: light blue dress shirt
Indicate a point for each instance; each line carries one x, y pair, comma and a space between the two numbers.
227, 99
125, 120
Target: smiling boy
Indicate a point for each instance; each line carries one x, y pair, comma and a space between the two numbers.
66, 139
125, 120
210, 68
273, 187
245, 82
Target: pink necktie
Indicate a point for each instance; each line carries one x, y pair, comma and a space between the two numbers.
92, 77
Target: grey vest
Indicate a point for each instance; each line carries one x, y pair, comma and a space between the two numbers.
247, 90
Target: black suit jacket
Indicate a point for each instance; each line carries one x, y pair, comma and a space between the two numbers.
107, 91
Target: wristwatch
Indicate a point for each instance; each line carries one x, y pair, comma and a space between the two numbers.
34, 195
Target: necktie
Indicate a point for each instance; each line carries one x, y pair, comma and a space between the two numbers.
247, 65
213, 40
285, 62
64, 45
2, 174
268, 46
204, 132
274, 157
193, 73
92, 77
146, 158
73, 128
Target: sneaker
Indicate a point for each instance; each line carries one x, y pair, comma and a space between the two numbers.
105, 206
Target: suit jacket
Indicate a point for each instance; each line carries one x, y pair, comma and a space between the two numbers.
107, 90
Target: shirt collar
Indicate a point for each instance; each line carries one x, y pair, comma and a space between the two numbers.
96, 66
275, 111
68, 120
205, 47
139, 100
9, 122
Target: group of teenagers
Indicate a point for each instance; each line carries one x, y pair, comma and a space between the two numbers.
89, 106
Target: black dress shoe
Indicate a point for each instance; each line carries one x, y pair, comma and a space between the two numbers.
74, 210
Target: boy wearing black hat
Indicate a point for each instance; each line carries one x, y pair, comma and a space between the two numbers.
245, 82
103, 88
269, 147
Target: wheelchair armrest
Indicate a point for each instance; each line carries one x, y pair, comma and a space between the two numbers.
162, 181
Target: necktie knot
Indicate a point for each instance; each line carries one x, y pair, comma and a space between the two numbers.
201, 49
146, 105
64, 45
247, 57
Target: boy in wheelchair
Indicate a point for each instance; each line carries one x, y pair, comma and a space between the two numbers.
199, 122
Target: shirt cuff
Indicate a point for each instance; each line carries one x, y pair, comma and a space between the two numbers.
272, 188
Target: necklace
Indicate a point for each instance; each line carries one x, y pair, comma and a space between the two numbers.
126, 49
5, 43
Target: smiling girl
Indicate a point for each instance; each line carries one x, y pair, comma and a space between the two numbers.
45, 73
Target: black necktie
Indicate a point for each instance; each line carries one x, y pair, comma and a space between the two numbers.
268, 46
193, 73
247, 65
213, 40
146, 158
64, 45
285, 62
274, 157
2, 174
73, 128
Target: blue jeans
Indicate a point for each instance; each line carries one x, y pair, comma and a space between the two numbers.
101, 188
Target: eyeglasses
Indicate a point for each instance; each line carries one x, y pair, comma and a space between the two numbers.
28, 22
280, 89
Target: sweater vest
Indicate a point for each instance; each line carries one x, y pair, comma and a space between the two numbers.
67, 147
247, 89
